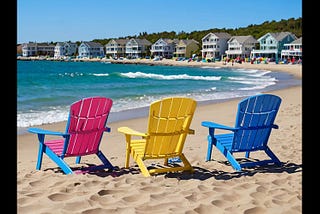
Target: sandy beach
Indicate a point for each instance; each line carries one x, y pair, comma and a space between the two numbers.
213, 188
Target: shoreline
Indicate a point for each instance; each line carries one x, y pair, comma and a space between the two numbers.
294, 70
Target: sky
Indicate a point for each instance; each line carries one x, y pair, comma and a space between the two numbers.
86, 20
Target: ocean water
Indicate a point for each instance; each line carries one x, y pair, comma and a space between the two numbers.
46, 89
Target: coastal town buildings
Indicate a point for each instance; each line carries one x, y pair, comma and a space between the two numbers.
271, 45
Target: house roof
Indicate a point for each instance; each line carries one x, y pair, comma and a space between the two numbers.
121, 41
243, 39
188, 41
297, 41
279, 36
221, 35
141, 41
93, 44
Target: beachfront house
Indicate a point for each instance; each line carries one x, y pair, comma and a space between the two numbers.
65, 49
186, 48
90, 50
45, 49
292, 50
214, 45
240, 46
137, 48
163, 48
271, 45
37, 49
116, 48
29, 49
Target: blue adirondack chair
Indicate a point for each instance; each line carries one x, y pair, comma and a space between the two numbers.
254, 122
85, 127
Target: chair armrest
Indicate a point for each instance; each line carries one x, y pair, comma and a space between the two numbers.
46, 132
218, 126
129, 131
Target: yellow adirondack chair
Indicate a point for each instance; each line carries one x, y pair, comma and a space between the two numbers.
168, 126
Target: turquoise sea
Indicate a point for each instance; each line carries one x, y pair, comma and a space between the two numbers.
45, 89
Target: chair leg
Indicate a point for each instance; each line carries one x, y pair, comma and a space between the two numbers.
59, 161
104, 160
247, 154
186, 163
40, 155
142, 166
209, 150
234, 163
42, 148
78, 159
272, 156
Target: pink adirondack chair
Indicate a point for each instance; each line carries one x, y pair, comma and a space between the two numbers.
84, 130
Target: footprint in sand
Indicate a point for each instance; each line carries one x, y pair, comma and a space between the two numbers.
111, 192
244, 186
159, 196
59, 197
220, 203
232, 196
24, 201
202, 188
58, 184
136, 198
205, 209
91, 183
258, 195
219, 189
255, 210
37, 183
261, 189
151, 189
97, 211
35, 195
77, 206
104, 201
280, 182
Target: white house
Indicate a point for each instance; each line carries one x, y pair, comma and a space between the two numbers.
240, 46
164, 48
63, 49
116, 48
293, 49
90, 50
136, 48
37, 49
214, 45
